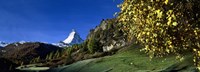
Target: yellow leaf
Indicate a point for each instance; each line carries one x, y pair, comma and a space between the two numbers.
169, 20
195, 32
155, 35
167, 50
159, 13
174, 23
166, 1
148, 33
195, 50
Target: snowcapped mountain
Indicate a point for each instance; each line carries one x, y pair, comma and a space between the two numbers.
3, 44
73, 38
20, 43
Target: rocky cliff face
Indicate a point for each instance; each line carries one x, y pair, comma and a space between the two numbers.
108, 35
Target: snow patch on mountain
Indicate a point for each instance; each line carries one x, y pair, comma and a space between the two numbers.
3, 44
60, 44
22, 42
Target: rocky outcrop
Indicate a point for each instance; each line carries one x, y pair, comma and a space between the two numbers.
109, 35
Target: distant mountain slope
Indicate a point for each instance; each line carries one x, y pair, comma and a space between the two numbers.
73, 38
27, 51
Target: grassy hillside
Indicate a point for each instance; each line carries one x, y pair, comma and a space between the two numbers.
130, 59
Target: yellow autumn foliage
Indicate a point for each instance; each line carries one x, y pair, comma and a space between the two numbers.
163, 26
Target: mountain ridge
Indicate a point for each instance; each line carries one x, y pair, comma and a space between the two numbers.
27, 51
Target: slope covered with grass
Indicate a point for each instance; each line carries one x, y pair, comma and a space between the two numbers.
130, 59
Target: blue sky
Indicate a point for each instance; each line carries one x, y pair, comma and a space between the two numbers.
51, 20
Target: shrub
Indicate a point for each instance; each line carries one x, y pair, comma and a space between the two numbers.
93, 45
164, 26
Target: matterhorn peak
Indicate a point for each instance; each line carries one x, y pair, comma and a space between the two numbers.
73, 38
